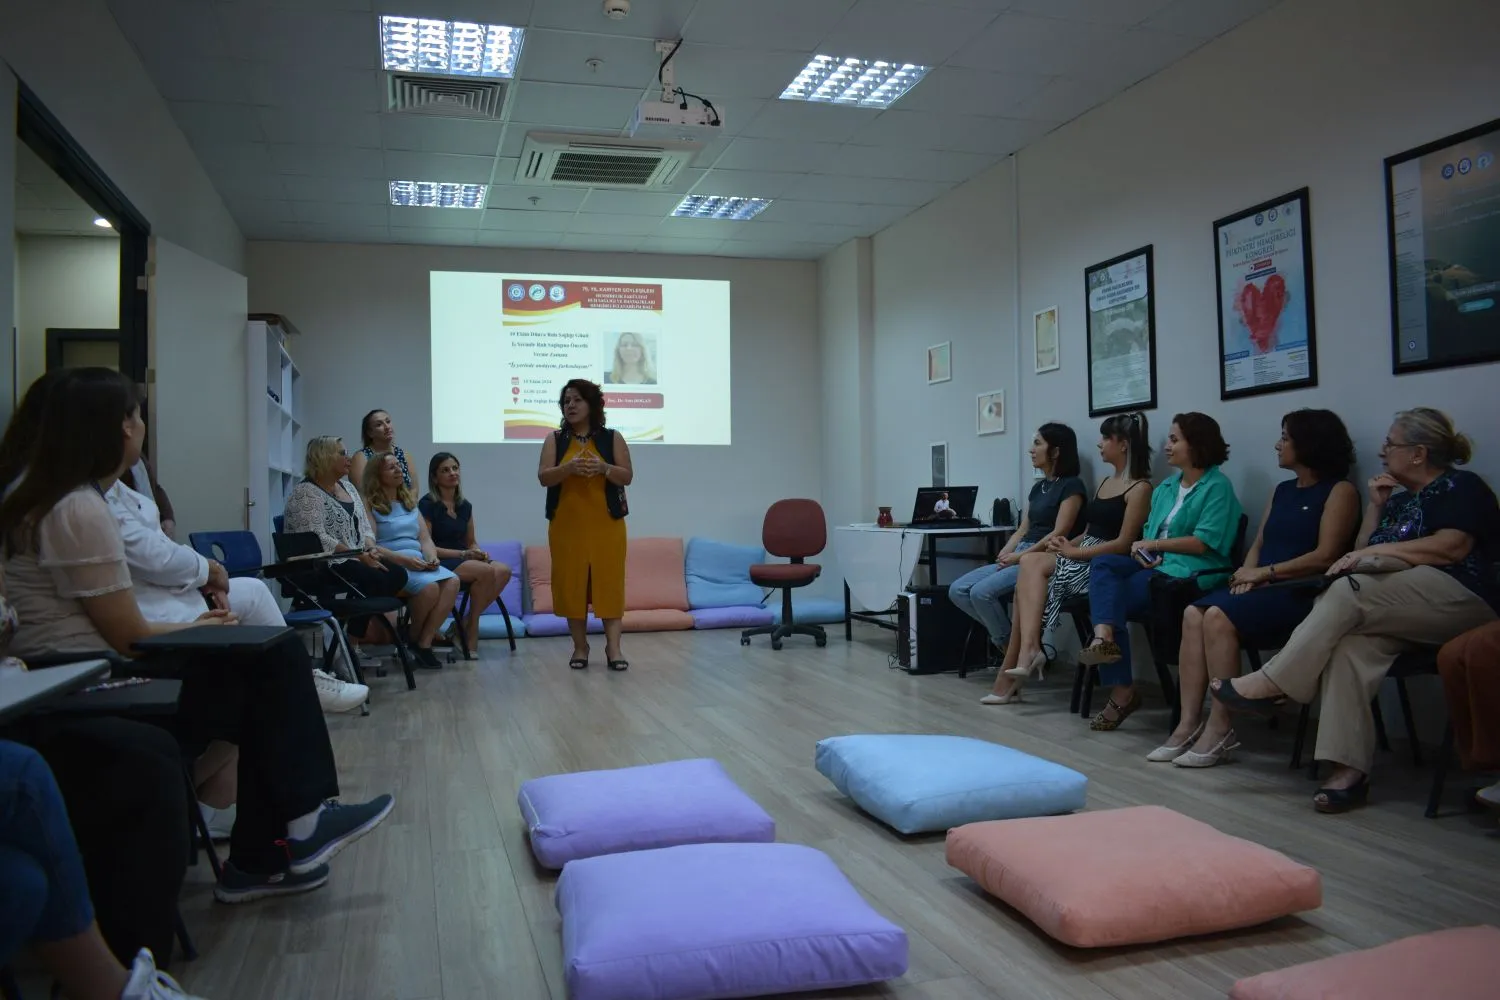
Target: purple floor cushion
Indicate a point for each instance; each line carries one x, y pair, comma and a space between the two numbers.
589, 813
709, 921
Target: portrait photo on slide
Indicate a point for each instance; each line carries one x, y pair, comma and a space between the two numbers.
630, 358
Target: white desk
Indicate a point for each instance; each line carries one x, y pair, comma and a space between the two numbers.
878, 563
20, 693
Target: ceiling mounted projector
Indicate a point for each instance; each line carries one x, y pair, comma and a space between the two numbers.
678, 114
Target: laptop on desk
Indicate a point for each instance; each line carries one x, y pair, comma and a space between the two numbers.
944, 507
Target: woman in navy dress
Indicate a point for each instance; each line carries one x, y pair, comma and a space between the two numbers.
1308, 524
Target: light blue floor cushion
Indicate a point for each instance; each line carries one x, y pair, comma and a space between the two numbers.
925, 784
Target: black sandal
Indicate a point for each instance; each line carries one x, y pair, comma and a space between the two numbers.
1341, 800
580, 662
1230, 698
619, 664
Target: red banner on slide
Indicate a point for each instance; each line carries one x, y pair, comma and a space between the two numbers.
538, 298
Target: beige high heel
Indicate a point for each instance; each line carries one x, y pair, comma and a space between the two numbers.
1013, 695
1217, 754
1167, 752
1037, 664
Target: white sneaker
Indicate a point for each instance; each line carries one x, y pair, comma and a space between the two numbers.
148, 983
336, 695
219, 821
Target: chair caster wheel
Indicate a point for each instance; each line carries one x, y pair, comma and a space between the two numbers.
775, 643
820, 641
744, 640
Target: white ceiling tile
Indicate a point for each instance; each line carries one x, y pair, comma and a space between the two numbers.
527, 222
788, 25
191, 27
1064, 99
778, 155
411, 217
804, 122
599, 244
329, 161
1021, 43
770, 250
290, 232
324, 213
266, 187
312, 125
746, 183
440, 135
511, 238
563, 57
652, 20
573, 106
831, 213
236, 159
303, 37
433, 237
737, 72
795, 232
250, 211
606, 202
1206, 18
401, 165
675, 245
896, 31
1122, 12
614, 225
217, 123
347, 234
518, 196
874, 191
305, 4
960, 133
952, 90
292, 86
913, 164
700, 229
339, 190
180, 77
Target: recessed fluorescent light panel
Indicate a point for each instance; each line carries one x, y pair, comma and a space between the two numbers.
449, 48
704, 206
857, 83
437, 194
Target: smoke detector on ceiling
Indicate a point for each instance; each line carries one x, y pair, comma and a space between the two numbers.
617, 10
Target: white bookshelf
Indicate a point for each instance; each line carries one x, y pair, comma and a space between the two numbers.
274, 392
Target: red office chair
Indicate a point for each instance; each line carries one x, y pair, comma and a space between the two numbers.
793, 529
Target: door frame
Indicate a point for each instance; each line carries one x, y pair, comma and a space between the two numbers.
58, 338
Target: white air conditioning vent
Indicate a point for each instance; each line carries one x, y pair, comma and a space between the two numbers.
445, 96
601, 161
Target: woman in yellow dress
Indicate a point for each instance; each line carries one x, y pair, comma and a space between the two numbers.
586, 467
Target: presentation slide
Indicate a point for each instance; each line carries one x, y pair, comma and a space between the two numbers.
1445, 235
503, 346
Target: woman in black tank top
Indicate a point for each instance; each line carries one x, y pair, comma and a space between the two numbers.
1114, 519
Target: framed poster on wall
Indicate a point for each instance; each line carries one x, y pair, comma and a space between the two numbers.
1263, 265
1443, 226
1121, 314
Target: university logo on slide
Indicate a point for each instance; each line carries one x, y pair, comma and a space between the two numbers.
557, 293
516, 292
538, 293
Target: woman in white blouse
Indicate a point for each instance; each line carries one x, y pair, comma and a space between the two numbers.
68, 580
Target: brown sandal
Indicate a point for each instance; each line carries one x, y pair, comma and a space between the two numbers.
1101, 724
1101, 651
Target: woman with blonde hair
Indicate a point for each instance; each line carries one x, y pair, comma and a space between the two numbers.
326, 504
632, 362
402, 539
1424, 570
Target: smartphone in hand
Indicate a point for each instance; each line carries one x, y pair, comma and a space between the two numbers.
1147, 558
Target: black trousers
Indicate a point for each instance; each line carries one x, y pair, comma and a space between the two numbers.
127, 800
266, 704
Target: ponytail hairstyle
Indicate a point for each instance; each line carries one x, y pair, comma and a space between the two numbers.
1133, 429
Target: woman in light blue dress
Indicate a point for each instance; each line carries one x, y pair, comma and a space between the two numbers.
401, 539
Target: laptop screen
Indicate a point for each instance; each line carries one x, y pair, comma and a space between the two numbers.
934, 504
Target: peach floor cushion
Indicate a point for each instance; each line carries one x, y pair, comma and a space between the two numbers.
1130, 876
656, 576
539, 578
1455, 964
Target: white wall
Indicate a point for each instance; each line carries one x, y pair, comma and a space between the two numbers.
198, 407
846, 325
73, 56
69, 282
363, 316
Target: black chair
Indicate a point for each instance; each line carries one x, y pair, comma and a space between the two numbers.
461, 612
318, 585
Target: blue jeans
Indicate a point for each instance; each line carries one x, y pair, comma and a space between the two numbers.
1119, 587
46, 895
981, 594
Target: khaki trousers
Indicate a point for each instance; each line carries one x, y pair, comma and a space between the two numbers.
1350, 639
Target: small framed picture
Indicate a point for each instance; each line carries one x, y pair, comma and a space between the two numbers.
940, 363
990, 418
1044, 345
940, 464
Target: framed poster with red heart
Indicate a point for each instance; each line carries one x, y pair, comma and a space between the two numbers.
1267, 334
1121, 297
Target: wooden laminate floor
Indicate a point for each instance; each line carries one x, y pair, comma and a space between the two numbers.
444, 901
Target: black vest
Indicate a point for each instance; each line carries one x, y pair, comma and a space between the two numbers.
614, 495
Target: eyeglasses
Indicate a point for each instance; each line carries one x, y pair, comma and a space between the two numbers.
1389, 445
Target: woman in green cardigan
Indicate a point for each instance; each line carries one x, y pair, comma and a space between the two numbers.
1194, 519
